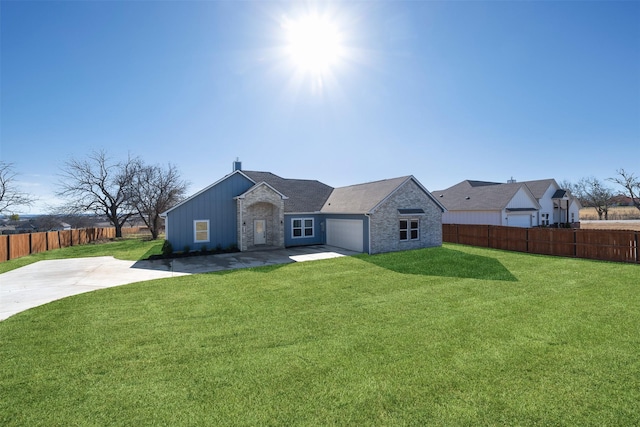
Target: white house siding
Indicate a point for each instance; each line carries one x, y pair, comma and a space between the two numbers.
522, 200
385, 221
546, 205
472, 217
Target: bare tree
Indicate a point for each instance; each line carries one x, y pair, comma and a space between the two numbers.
631, 184
101, 186
154, 190
592, 192
10, 195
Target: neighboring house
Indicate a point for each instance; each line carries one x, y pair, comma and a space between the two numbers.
250, 209
515, 204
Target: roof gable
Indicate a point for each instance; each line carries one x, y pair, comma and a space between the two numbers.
539, 187
204, 190
365, 198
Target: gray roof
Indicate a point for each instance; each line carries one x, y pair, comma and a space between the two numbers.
302, 195
361, 198
539, 187
469, 195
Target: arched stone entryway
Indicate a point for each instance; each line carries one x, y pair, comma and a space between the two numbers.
261, 217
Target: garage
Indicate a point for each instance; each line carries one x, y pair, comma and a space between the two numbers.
519, 220
345, 233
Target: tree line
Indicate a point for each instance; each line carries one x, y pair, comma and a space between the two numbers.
120, 190
117, 190
593, 192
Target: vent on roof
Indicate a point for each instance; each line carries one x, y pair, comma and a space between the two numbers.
511, 181
467, 198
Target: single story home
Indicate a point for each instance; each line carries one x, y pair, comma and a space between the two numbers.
515, 204
250, 209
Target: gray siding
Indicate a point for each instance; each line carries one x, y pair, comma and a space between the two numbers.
216, 204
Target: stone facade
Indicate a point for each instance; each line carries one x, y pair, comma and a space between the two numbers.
260, 203
385, 221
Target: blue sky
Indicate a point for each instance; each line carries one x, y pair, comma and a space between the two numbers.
444, 91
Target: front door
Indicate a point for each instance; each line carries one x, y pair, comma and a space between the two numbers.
259, 232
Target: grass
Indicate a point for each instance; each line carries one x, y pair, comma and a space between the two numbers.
128, 248
442, 336
615, 213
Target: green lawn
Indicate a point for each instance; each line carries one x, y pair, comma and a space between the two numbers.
132, 249
443, 336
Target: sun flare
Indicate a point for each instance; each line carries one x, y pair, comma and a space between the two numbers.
314, 44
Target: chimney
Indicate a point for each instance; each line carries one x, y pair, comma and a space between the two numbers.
237, 165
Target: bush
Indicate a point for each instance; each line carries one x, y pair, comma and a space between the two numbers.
186, 249
167, 249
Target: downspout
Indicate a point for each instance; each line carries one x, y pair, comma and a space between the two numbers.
241, 227
368, 215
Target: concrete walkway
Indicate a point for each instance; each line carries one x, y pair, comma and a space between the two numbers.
47, 281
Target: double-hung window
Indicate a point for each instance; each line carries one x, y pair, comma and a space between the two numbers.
201, 230
302, 227
409, 229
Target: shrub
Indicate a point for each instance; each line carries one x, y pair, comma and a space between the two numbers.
167, 249
186, 249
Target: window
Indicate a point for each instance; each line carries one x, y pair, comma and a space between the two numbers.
545, 219
302, 227
201, 230
409, 229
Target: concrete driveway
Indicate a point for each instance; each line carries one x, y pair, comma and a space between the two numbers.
47, 281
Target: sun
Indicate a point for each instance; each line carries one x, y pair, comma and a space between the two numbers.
314, 44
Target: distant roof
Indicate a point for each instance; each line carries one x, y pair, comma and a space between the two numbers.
559, 194
361, 198
469, 195
303, 195
539, 187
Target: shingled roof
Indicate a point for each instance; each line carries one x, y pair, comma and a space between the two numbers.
361, 198
302, 195
477, 195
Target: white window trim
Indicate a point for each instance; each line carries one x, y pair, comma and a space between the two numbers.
302, 228
195, 222
409, 220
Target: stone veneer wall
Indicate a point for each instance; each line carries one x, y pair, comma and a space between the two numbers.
385, 221
261, 203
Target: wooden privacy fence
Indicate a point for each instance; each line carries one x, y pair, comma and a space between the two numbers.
606, 245
14, 246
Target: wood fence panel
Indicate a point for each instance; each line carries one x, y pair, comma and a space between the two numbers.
4, 248
562, 242
540, 241
53, 241
65, 238
450, 233
18, 245
38, 242
508, 238
474, 235
613, 245
84, 236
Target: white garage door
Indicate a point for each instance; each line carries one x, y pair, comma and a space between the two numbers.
345, 233
519, 220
